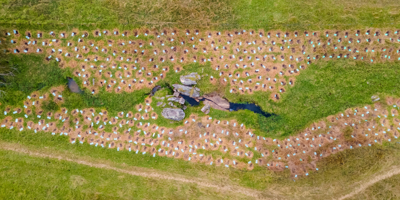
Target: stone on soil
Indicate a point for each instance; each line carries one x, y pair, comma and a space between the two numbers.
187, 90
181, 100
73, 86
176, 114
216, 102
375, 98
175, 99
206, 109
190, 79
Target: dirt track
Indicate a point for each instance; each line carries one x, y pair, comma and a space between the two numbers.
394, 171
150, 173
137, 171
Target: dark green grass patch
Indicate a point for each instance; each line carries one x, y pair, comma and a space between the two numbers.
30, 74
50, 106
34, 74
113, 102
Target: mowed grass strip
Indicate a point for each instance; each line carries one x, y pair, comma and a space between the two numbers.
222, 14
195, 14
23, 176
316, 14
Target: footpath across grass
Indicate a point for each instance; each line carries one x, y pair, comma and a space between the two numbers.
386, 189
26, 177
334, 174
323, 89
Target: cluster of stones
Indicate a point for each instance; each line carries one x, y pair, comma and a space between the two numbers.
246, 61
198, 138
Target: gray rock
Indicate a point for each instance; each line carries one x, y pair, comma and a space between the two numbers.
154, 90
164, 104
186, 90
206, 109
184, 107
375, 98
159, 103
176, 94
181, 100
73, 86
216, 102
171, 104
190, 79
176, 114
175, 99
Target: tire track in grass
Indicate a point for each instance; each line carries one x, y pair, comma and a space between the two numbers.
394, 171
137, 172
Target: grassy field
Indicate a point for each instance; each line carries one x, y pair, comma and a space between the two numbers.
53, 179
282, 14
335, 176
323, 89
385, 189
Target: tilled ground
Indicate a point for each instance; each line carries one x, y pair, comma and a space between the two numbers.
200, 138
245, 60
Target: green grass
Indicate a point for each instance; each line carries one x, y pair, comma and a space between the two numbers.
332, 170
53, 179
385, 189
335, 173
60, 143
323, 89
50, 106
112, 102
316, 14
265, 14
31, 74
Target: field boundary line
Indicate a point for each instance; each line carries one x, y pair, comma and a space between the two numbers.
145, 173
